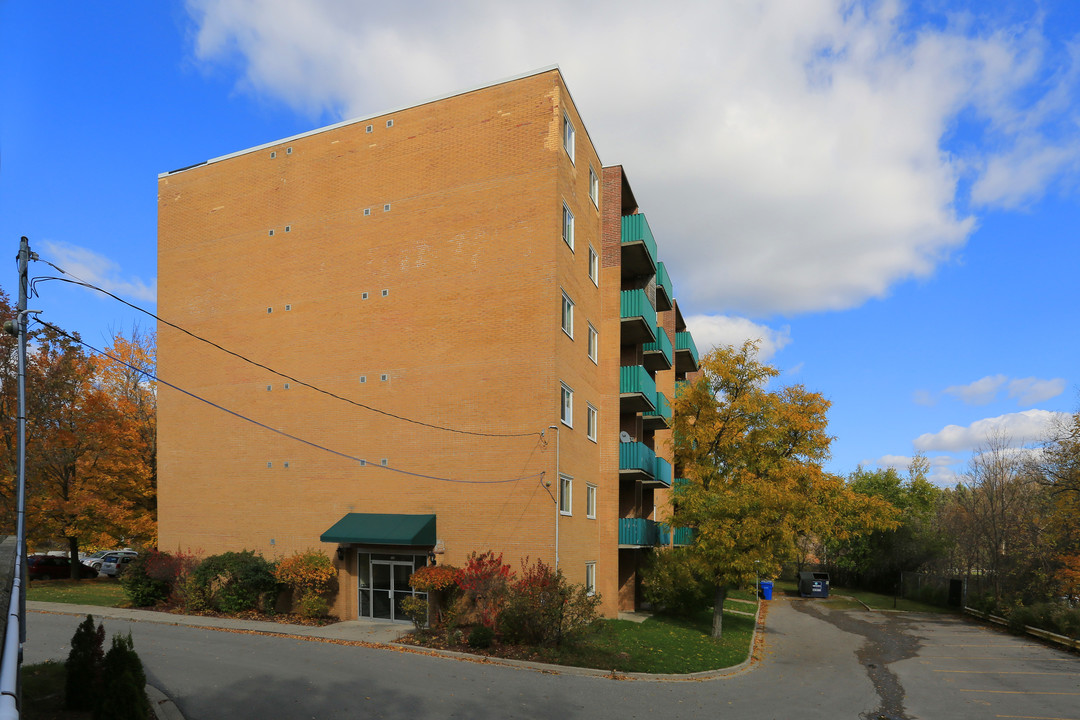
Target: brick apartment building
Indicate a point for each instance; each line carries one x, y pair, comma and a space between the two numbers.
487, 299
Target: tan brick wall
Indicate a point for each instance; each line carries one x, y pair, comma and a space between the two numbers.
468, 336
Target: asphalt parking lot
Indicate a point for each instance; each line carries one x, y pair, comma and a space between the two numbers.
967, 670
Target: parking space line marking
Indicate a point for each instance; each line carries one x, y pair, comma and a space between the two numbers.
1017, 692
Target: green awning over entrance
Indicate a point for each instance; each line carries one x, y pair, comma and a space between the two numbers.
382, 529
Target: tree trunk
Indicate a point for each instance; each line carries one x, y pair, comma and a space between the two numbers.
73, 555
718, 611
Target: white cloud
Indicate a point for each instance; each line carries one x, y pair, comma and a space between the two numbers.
98, 270
924, 397
1020, 428
943, 468
789, 153
1030, 391
980, 392
712, 330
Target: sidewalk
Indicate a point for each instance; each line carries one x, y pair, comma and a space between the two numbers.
368, 631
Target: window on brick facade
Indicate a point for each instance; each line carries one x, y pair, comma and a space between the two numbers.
568, 226
567, 315
594, 341
594, 266
566, 405
590, 501
590, 578
590, 423
566, 495
594, 187
568, 136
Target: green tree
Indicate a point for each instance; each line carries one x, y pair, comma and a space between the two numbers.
753, 460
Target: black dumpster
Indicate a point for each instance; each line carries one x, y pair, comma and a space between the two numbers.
814, 584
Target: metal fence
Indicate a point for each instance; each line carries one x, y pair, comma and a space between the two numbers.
943, 590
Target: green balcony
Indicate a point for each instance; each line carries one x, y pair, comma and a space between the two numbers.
638, 247
664, 295
659, 355
636, 462
637, 389
637, 532
686, 354
661, 477
660, 418
683, 536
638, 317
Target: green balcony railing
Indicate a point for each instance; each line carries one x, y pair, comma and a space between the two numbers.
636, 379
638, 456
635, 303
663, 287
663, 471
635, 228
662, 345
637, 531
663, 408
685, 341
683, 535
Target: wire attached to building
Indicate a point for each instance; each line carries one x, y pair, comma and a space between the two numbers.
83, 283
247, 419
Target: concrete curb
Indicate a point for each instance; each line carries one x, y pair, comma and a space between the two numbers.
163, 707
346, 633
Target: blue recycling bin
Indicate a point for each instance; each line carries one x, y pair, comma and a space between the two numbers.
766, 589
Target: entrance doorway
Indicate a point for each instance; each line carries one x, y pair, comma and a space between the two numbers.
384, 583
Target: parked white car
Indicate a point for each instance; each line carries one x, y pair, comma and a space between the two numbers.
95, 560
113, 563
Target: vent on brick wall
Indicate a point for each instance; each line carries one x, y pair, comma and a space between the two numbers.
385, 293
288, 228
385, 462
367, 211
286, 386
273, 154
288, 307
389, 123
384, 377
386, 207
269, 388
269, 310
363, 378
288, 151
363, 296
271, 232
269, 464
370, 128
286, 464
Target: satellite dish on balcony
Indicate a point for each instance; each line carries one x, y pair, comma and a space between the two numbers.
625, 437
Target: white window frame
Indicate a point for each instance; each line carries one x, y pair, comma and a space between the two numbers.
567, 226
566, 495
590, 501
566, 405
593, 344
590, 578
569, 136
594, 187
567, 315
594, 266
591, 421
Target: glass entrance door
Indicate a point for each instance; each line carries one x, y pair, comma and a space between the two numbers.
389, 586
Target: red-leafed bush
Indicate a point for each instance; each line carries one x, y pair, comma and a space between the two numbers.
483, 583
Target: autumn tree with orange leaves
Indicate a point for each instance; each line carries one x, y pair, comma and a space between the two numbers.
752, 459
90, 467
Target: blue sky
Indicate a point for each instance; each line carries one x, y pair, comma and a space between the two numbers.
884, 192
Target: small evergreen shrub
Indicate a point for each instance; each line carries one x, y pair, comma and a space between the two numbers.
481, 637
235, 582
82, 686
123, 684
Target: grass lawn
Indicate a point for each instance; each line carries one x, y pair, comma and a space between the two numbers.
43, 693
661, 645
102, 592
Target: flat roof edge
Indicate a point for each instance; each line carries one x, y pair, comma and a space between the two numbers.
355, 120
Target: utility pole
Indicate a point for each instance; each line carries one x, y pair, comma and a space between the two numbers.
10, 676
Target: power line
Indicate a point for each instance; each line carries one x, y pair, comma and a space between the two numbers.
245, 418
83, 283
